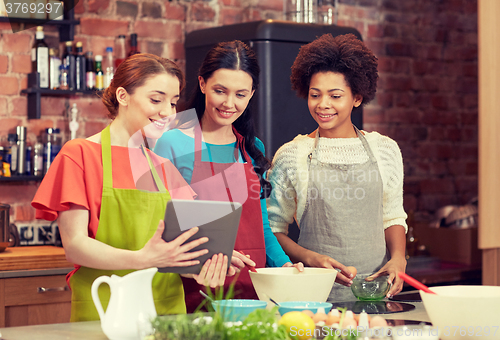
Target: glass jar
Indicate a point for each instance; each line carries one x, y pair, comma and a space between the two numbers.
63, 78
52, 146
305, 11
327, 14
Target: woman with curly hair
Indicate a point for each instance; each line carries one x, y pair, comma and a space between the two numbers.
343, 186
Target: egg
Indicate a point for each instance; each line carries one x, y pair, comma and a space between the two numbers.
331, 319
352, 270
349, 323
308, 312
319, 317
378, 321
334, 312
349, 314
356, 317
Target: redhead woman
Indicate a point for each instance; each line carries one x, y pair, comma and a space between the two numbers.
109, 192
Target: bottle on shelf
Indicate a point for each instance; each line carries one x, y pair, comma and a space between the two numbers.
3, 10
108, 67
63, 78
40, 58
73, 120
54, 64
90, 71
38, 159
57, 10
120, 52
11, 153
99, 76
68, 60
80, 65
52, 146
2, 150
133, 45
327, 14
21, 150
29, 150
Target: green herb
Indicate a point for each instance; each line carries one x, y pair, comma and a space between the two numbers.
218, 295
259, 325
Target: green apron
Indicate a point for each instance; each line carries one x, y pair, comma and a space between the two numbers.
128, 219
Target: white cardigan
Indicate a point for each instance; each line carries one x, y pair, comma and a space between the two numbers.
289, 175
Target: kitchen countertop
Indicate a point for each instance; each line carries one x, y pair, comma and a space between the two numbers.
91, 330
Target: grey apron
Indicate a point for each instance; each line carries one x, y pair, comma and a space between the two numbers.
343, 215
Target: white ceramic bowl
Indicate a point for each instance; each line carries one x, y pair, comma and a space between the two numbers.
463, 312
288, 284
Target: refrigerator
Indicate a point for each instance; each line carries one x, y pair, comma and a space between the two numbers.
279, 114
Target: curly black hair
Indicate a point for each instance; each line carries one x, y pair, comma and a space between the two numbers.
343, 54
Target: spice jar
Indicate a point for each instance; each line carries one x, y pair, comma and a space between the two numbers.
52, 141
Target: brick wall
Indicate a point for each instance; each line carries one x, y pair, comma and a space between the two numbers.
426, 99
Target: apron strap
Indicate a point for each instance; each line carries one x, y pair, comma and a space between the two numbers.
365, 144
156, 177
107, 172
197, 143
106, 158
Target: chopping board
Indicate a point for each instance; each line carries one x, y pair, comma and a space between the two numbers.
33, 257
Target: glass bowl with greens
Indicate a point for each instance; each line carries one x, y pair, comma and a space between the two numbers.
370, 290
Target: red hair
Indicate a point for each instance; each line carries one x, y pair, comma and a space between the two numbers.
133, 73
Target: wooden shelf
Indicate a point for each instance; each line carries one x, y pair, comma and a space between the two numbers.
59, 93
14, 179
35, 94
30, 21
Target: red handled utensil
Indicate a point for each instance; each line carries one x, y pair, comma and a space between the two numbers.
417, 284
251, 268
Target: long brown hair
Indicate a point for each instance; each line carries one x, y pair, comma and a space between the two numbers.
133, 73
235, 55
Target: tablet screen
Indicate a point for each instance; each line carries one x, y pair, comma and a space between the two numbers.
217, 220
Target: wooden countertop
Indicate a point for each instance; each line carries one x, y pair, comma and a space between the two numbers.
33, 257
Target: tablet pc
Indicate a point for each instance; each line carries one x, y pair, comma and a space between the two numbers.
217, 220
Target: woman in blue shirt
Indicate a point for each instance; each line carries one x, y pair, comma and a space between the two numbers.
216, 151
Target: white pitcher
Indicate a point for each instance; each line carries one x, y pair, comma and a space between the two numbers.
130, 302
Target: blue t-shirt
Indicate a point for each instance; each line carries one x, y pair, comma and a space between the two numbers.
179, 149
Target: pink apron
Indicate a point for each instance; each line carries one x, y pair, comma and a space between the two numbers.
235, 182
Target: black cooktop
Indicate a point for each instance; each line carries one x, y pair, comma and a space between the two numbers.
411, 296
375, 307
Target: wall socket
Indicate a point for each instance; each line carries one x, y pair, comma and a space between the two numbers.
39, 233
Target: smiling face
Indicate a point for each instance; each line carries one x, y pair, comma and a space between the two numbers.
149, 105
330, 102
227, 93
